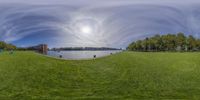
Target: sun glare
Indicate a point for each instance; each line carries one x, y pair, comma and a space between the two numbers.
86, 29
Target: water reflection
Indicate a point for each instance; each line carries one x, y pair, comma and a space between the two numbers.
81, 54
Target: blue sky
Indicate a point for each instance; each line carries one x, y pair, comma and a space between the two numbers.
108, 23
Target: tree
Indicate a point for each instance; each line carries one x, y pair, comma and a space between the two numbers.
132, 46
168, 42
198, 44
191, 42
171, 42
181, 41
139, 45
10, 47
2, 45
5, 46
157, 42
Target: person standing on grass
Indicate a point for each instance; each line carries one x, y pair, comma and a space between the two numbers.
11, 52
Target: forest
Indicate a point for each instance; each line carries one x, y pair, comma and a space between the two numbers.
6, 46
167, 42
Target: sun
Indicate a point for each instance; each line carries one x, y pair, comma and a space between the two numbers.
86, 29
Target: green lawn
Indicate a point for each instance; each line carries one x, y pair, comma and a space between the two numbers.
127, 75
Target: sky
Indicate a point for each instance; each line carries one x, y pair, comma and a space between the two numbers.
94, 23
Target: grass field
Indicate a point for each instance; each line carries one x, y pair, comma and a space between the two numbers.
127, 75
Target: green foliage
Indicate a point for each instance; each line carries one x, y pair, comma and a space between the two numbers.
168, 42
6, 46
2, 45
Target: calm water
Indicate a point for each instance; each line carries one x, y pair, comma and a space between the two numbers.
81, 54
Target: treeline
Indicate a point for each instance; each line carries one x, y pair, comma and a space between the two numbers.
168, 42
5, 46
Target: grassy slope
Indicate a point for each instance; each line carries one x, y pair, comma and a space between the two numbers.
26, 75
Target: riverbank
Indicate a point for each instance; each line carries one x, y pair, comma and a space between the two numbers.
126, 75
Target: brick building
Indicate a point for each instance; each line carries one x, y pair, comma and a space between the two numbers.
41, 48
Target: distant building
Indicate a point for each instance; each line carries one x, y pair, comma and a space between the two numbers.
41, 48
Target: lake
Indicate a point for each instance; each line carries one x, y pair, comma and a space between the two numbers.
77, 55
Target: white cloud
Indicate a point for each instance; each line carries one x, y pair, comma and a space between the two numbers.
119, 21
